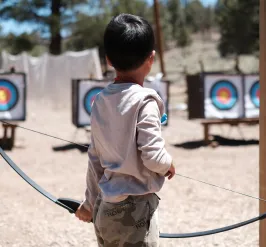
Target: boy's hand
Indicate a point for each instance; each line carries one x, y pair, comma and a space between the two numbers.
83, 214
171, 172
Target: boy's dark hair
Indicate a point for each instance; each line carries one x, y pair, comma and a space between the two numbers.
128, 41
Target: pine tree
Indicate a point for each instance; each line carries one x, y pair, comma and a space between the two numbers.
179, 30
51, 16
174, 10
239, 26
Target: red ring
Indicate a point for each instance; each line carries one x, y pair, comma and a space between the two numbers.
224, 100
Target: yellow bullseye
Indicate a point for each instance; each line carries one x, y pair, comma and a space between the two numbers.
224, 96
3, 96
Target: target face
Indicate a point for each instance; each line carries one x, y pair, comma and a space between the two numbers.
90, 97
255, 94
8, 95
223, 95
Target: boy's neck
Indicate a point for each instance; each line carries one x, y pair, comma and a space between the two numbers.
134, 77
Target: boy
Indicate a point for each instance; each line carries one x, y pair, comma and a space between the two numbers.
127, 159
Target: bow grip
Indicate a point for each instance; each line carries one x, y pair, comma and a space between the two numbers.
70, 203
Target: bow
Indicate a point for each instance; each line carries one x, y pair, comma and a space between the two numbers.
72, 205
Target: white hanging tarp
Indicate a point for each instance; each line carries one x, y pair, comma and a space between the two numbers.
49, 77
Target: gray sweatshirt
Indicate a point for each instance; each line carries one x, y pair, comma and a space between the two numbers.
127, 154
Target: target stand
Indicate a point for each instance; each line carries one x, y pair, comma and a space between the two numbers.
12, 105
8, 139
84, 92
223, 99
252, 95
208, 140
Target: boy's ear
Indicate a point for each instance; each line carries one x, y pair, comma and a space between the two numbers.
108, 61
152, 56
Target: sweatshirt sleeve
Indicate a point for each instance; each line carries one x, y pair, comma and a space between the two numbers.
149, 138
94, 174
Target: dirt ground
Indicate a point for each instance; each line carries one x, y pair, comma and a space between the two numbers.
27, 219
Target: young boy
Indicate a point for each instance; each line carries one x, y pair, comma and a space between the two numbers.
127, 158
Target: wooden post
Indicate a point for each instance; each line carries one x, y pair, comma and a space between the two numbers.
206, 133
262, 176
159, 35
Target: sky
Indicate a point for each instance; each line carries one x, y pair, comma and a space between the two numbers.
12, 26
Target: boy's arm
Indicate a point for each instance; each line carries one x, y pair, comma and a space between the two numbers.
94, 174
149, 138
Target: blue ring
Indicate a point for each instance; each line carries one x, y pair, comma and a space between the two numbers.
88, 97
13, 95
253, 97
227, 85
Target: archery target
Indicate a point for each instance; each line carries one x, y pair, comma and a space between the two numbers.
252, 96
85, 91
12, 96
90, 97
8, 95
223, 96
255, 94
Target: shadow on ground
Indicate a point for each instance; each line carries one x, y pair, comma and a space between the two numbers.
217, 141
68, 147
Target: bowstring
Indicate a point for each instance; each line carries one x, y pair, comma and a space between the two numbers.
45, 134
220, 187
178, 174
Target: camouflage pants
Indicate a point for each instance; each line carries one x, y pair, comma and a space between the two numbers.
130, 223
